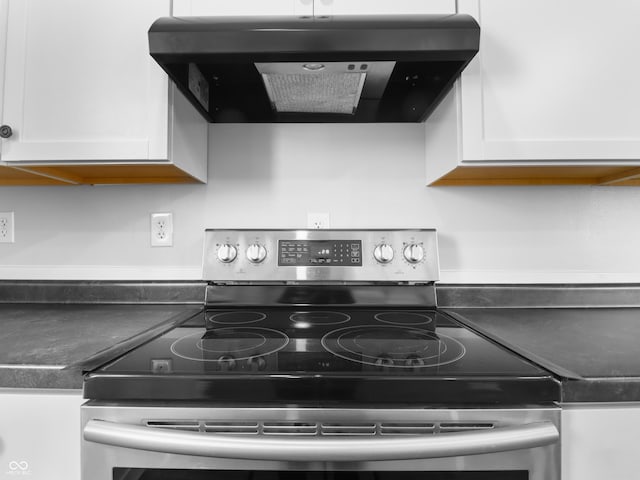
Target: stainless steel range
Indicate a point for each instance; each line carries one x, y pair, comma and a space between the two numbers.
320, 354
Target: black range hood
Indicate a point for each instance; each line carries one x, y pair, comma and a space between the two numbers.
336, 70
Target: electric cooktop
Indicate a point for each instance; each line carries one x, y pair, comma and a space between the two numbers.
383, 355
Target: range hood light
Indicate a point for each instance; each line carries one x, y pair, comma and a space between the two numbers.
313, 67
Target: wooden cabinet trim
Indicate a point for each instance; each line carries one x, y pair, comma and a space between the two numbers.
116, 174
541, 175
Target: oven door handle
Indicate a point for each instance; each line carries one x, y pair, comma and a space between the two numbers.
323, 449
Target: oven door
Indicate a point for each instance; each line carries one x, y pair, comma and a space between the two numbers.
178, 443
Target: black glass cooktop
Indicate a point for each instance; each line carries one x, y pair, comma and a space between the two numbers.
320, 355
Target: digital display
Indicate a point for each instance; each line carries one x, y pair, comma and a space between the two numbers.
314, 253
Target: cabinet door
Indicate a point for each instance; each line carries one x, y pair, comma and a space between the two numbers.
40, 434
310, 7
4, 10
387, 7
600, 442
553, 81
80, 84
242, 7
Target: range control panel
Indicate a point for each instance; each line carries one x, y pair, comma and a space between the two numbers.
299, 256
311, 253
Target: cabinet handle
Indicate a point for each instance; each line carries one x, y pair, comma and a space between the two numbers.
5, 131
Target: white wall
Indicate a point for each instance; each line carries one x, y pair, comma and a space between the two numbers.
366, 176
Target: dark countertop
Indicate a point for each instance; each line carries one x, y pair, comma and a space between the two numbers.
596, 351
593, 350
49, 345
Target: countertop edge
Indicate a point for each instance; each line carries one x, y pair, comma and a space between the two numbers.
613, 390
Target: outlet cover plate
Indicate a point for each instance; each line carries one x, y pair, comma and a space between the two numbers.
6, 227
318, 220
162, 229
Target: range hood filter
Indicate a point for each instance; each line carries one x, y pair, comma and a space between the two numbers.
314, 93
321, 87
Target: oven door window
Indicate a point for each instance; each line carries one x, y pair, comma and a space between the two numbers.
170, 474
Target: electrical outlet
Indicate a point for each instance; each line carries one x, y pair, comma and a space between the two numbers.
318, 220
161, 229
6, 227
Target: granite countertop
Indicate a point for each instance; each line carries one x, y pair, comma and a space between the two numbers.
595, 351
49, 345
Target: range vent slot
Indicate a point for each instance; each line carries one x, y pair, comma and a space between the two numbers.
464, 426
348, 429
290, 428
187, 425
232, 427
407, 428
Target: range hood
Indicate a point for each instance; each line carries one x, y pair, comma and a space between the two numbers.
337, 70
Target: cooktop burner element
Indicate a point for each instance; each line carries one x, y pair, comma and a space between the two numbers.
403, 318
393, 346
236, 318
320, 317
230, 343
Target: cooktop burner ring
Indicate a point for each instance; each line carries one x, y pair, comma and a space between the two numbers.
385, 358
215, 318
406, 349
261, 338
396, 353
316, 318
418, 316
276, 335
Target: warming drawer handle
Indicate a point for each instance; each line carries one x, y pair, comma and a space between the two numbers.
322, 449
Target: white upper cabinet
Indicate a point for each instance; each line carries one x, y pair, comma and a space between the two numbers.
553, 80
242, 7
80, 88
310, 7
554, 88
388, 7
4, 9
80, 84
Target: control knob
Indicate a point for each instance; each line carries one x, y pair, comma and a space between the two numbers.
227, 253
227, 363
256, 253
413, 253
383, 253
414, 360
257, 364
384, 361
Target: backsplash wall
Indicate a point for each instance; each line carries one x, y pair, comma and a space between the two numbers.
365, 176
